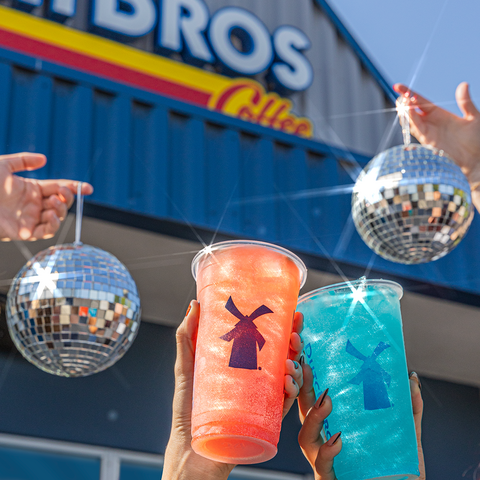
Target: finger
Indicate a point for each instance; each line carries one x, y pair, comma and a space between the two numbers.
310, 438
417, 406
52, 187
464, 101
413, 99
184, 364
290, 393
48, 226
291, 388
296, 346
306, 398
54, 202
417, 401
66, 196
298, 322
296, 342
402, 89
294, 369
327, 452
19, 162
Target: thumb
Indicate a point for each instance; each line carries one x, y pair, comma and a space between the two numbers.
186, 340
19, 162
464, 101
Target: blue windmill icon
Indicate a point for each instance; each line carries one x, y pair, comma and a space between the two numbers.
245, 336
375, 379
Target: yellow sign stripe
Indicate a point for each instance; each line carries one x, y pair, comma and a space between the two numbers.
110, 51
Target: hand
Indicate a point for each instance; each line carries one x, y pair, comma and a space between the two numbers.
432, 125
32, 209
181, 462
312, 413
293, 370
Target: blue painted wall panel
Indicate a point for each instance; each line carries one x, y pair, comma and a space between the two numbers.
291, 182
71, 144
152, 155
257, 180
186, 192
5, 102
325, 220
222, 175
30, 113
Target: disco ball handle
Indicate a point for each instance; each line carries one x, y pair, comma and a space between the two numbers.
404, 121
78, 224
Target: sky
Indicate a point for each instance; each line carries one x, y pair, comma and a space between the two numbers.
430, 45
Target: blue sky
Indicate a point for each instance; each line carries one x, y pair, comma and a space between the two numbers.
431, 45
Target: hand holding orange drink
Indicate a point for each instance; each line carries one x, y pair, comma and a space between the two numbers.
248, 294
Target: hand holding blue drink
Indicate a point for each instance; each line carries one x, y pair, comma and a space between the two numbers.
354, 346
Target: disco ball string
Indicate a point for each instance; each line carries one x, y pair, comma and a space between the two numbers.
412, 204
73, 309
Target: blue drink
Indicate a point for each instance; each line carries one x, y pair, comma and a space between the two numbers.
354, 345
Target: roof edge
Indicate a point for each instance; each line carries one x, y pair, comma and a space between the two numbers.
364, 59
176, 228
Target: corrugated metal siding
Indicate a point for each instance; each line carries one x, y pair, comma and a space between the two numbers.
342, 91
341, 85
152, 155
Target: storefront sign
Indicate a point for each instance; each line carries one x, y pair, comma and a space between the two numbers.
237, 41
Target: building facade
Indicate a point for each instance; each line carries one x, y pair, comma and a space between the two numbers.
198, 121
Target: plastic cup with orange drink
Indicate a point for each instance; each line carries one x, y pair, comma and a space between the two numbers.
248, 293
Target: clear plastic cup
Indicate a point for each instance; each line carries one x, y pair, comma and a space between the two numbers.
248, 293
354, 344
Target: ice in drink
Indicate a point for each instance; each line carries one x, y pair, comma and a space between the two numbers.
248, 293
354, 343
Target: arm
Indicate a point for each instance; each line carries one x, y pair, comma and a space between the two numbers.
458, 136
32, 209
181, 462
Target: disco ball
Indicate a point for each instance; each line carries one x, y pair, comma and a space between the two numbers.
73, 310
412, 204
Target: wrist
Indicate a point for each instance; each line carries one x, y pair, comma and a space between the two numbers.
185, 464
473, 178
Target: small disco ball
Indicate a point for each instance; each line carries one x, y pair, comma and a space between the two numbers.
73, 310
412, 204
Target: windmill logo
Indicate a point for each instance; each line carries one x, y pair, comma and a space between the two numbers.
245, 337
375, 379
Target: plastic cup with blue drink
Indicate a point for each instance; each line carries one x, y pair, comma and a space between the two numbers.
354, 344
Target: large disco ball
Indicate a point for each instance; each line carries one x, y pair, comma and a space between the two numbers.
73, 310
412, 204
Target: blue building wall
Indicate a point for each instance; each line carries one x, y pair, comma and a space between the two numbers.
163, 159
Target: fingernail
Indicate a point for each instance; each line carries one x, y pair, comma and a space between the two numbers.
413, 99
24, 234
333, 440
414, 376
296, 365
188, 309
321, 399
301, 339
302, 360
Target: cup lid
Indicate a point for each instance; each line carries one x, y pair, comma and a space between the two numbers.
234, 243
354, 284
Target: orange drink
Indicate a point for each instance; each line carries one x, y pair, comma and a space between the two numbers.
248, 293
